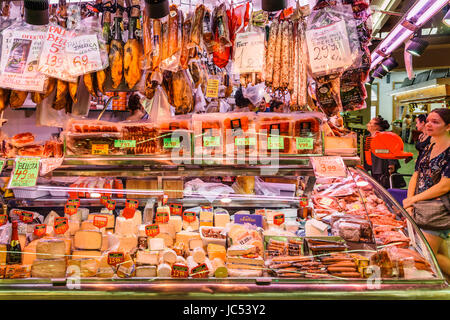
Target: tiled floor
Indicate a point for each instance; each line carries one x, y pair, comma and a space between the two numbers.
408, 168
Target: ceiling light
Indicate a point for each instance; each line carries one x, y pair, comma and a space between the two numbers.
389, 64
273, 5
36, 12
417, 46
157, 9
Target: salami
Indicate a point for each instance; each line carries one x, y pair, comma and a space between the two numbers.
277, 59
296, 66
284, 81
302, 75
270, 56
292, 63
196, 31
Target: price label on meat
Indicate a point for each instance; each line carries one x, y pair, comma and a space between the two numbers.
122, 144
25, 216
171, 143
248, 52
212, 88
115, 258
278, 219
128, 213
189, 216
53, 61
328, 48
304, 143
245, 141
275, 142
162, 217
70, 209
209, 142
152, 230
39, 229
100, 221
83, 54
100, 149
19, 60
179, 271
303, 202
176, 209
3, 219
61, 225
25, 173
328, 167
200, 271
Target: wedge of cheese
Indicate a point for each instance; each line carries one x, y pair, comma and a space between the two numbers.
83, 267
145, 257
49, 268
111, 219
50, 249
87, 240
146, 271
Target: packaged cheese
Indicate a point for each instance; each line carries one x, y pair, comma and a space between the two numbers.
147, 257
146, 271
55, 268
206, 216
221, 218
87, 267
50, 249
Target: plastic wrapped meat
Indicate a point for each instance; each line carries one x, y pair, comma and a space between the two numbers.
179, 91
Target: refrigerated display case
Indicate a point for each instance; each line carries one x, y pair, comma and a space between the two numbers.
392, 261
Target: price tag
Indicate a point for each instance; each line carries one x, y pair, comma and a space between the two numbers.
162, 217
100, 221
200, 271
74, 202
328, 167
128, 213
278, 219
110, 204
304, 143
179, 271
125, 144
176, 209
328, 48
70, 209
248, 52
115, 258
131, 203
3, 219
245, 141
152, 230
275, 142
26, 216
40, 229
245, 239
25, 173
171, 143
165, 199
211, 142
61, 225
2, 164
303, 202
212, 88
83, 54
103, 200
189, 216
100, 149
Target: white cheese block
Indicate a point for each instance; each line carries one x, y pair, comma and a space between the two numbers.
315, 228
87, 267
87, 240
164, 270
176, 221
199, 255
195, 243
146, 271
156, 244
221, 219
168, 240
169, 256
50, 249
80, 254
55, 268
206, 218
147, 257
127, 242
110, 222
186, 237
126, 226
191, 226
89, 225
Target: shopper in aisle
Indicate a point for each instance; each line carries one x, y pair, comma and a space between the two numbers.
136, 108
276, 106
406, 128
242, 103
428, 198
381, 169
424, 139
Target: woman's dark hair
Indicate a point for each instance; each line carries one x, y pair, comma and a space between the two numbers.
422, 117
134, 102
382, 123
239, 98
275, 104
444, 113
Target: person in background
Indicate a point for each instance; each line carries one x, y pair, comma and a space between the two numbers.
380, 167
136, 108
406, 128
424, 139
276, 106
242, 103
412, 129
431, 181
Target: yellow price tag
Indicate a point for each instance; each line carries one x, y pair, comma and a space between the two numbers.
98, 149
212, 88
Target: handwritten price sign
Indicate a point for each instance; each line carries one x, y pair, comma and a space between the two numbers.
83, 53
248, 52
162, 217
25, 172
328, 48
328, 167
100, 221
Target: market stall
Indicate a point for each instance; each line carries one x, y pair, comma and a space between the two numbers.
208, 196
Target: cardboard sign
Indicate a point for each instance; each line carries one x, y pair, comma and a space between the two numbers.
83, 54
131, 203
25, 173
128, 213
100, 221
189, 216
304, 143
303, 202
152, 230
103, 200
212, 88
162, 217
248, 52
110, 204
329, 167
200, 271
40, 229
3, 219
245, 141
179, 271
115, 258
275, 142
74, 201
61, 225
171, 143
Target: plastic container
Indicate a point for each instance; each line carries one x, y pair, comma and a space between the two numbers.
207, 240
307, 134
240, 134
175, 137
274, 134
208, 135
145, 137
92, 144
29, 194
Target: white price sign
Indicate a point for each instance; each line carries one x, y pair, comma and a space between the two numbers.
53, 61
328, 167
83, 54
248, 52
19, 60
328, 48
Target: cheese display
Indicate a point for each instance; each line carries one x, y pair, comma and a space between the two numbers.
146, 271
110, 219
50, 249
87, 240
55, 268
144, 257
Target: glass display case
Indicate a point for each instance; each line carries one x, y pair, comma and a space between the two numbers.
253, 232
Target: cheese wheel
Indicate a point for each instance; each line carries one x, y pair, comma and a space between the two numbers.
146, 271
199, 255
164, 270
156, 244
55, 268
169, 256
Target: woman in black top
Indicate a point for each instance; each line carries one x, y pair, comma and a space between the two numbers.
424, 138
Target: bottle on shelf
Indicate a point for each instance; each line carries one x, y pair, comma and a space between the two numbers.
14, 251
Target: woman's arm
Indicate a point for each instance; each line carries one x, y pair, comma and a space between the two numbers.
412, 185
435, 191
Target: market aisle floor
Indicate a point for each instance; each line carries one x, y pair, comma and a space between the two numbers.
408, 168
